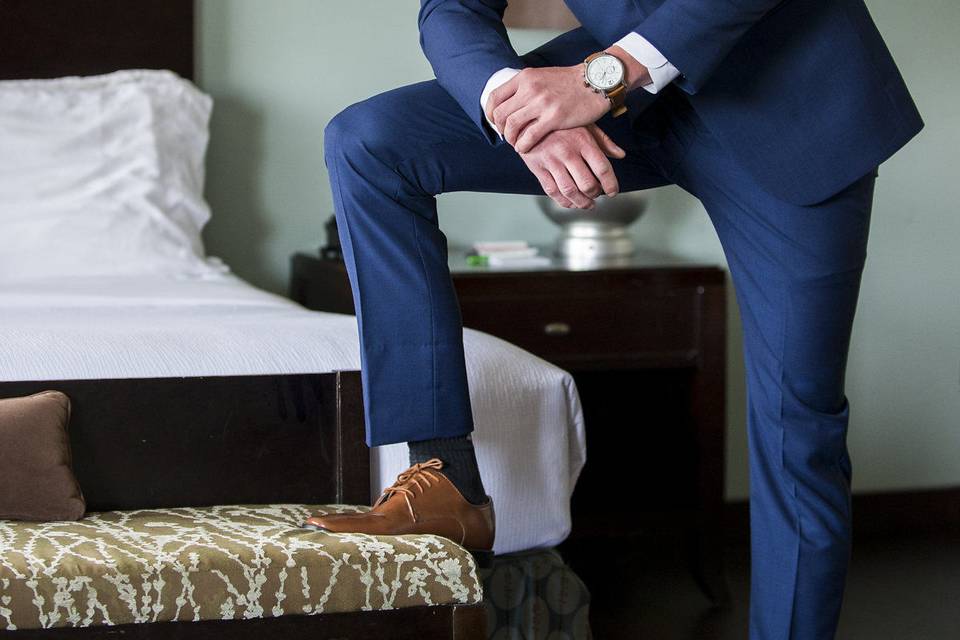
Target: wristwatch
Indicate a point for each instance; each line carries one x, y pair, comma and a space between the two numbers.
605, 73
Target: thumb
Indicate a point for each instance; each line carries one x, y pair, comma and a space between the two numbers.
606, 143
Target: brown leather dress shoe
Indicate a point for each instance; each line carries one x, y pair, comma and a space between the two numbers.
422, 500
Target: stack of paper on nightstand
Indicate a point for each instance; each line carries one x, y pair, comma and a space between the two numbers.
506, 253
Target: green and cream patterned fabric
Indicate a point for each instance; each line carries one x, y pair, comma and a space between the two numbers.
535, 595
216, 563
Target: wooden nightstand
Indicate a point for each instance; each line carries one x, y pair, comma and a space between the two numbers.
645, 338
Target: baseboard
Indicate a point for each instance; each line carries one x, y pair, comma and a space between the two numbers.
878, 514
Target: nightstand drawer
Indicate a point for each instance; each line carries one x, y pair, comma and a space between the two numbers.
624, 328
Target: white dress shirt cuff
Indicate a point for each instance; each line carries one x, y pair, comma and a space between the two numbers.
661, 71
496, 80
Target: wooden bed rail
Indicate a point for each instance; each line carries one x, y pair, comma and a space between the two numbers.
178, 442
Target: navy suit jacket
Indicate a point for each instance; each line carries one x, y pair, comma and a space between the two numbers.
803, 93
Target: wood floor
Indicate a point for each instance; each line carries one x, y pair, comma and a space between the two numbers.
899, 589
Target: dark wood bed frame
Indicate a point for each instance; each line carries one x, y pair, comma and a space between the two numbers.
202, 441
198, 441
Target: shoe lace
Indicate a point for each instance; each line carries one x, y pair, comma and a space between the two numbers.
420, 476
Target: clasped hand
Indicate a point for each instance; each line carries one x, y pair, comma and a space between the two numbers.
548, 115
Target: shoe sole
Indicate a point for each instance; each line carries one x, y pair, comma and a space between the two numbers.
482, 558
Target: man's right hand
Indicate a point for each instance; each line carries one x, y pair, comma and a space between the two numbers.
572, 165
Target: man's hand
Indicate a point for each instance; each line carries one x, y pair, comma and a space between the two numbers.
537, 101
572, 165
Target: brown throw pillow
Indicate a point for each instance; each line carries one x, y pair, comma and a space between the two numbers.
36, 470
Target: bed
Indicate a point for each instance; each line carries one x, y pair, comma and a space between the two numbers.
529, 427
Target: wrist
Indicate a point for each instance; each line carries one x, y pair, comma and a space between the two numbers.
589, 93
635, 74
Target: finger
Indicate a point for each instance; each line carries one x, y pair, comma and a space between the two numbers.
602, 169
587, 182
606, 143
550, 188
501, 94
568, 187
532, 136
516, 123
507, 109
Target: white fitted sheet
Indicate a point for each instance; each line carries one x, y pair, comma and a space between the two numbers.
529, 425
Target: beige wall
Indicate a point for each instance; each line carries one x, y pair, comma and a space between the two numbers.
280, 70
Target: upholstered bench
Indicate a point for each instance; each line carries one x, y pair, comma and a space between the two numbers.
216, 563
152, 560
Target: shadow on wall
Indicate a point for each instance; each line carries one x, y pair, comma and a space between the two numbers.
240, 222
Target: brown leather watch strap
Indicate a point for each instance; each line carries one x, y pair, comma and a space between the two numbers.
593, 56
618, 99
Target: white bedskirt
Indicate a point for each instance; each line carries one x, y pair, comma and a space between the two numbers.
529, 425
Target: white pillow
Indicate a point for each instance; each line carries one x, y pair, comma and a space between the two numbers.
103, 175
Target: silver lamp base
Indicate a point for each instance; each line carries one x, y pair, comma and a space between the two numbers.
597, 235
594, 240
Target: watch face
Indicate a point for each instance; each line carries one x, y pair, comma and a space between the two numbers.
605, 72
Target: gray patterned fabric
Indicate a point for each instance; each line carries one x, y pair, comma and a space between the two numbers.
216, 563
535, 596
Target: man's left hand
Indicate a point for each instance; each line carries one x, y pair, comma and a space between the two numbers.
538, 101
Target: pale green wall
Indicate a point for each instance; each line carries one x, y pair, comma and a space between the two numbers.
277, 72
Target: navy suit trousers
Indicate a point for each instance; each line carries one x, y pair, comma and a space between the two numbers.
796, 270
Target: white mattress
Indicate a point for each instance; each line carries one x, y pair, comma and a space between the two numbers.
529, 426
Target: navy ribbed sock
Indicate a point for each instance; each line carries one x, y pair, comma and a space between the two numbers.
459, 463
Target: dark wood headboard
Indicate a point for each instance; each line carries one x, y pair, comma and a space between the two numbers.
53, 38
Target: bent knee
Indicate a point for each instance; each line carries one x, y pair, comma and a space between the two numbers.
823, 394
341, 130
366, 128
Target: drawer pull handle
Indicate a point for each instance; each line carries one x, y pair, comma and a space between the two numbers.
556, 329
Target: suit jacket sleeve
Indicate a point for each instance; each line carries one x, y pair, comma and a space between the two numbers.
466, 43
696, 35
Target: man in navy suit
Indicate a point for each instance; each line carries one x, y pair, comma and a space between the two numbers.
774, 113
